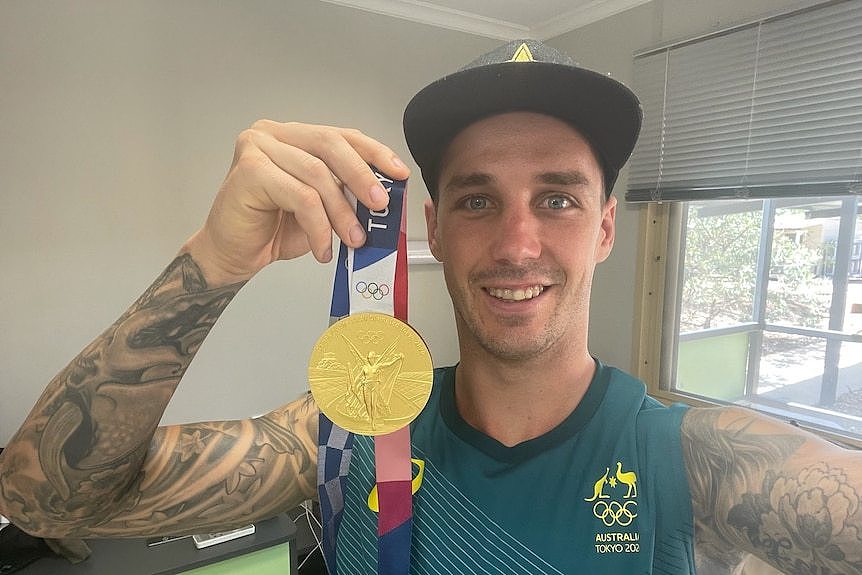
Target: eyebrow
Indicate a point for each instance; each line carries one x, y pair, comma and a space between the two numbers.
568, 178
478, 179
474, 180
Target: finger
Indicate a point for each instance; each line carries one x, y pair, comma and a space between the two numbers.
379, 155
371, 150
308, 211
366, 151
315, 174
347, 163
288, 245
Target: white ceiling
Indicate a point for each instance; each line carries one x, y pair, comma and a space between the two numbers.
502, 19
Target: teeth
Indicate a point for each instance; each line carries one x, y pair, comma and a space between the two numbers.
518, 294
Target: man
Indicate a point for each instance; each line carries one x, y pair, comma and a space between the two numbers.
537, 458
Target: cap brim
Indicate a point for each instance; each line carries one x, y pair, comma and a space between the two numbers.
606, 112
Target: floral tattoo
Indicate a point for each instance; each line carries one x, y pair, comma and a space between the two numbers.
803, 520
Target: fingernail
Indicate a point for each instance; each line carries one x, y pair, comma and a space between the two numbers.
396, 161
378, 194
327, 255
357, 234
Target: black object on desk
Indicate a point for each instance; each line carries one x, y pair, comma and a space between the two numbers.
134, 557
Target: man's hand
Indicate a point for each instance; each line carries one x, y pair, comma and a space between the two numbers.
283, 196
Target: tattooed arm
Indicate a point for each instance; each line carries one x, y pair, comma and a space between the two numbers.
89, 459
774, 490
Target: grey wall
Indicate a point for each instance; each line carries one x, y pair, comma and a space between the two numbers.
117, 122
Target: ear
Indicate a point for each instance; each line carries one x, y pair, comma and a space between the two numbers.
431, 227
607, 230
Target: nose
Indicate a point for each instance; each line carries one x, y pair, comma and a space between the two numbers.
517, 238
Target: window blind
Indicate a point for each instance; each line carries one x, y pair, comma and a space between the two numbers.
773, 109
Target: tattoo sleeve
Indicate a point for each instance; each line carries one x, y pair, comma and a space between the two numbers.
89, 459
773, 490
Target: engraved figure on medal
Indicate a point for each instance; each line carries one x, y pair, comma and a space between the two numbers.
372, 380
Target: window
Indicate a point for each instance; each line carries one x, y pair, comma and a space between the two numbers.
769, 307
751, 161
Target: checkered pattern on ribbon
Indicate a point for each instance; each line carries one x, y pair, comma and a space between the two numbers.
333, 461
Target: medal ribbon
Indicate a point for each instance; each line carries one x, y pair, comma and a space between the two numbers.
371, 278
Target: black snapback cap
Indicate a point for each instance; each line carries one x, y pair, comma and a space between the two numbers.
524, 75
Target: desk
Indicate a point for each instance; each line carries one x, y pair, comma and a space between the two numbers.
269, 550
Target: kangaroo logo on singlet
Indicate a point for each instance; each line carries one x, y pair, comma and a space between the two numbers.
614, 500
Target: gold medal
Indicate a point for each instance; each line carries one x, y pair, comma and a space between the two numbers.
370, 373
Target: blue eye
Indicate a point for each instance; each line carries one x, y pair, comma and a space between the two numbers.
558, 202
477, 203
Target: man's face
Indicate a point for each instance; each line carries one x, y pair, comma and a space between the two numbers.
519, 225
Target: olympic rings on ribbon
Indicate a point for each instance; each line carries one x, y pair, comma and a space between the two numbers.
372, 290
615, 512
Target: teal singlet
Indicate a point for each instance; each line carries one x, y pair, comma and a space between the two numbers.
603, 492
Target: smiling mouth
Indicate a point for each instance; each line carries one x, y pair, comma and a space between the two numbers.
519, 294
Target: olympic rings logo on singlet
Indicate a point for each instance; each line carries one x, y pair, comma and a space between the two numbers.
615, 513
373, 290
611, 505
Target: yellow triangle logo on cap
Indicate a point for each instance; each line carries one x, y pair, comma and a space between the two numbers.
523, 54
